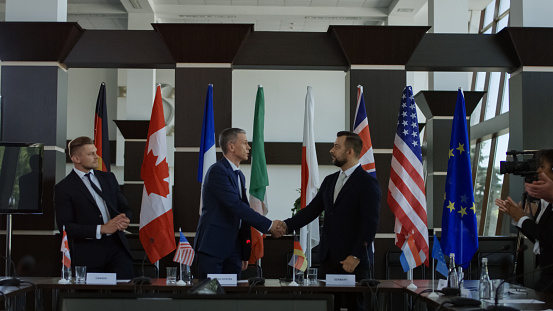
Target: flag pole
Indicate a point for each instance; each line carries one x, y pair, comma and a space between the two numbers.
181, 282
411, 286
433, 294
63, 279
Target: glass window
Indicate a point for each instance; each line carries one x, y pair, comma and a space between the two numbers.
502, 23
505, 101
488, 15
475, 116
504, 6
481, 172
502, 143
493, 92
480, 81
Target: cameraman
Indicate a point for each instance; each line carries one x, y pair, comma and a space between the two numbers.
538, 225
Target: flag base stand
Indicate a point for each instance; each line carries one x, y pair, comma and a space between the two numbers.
433, 295
181, 283
412, 286
64, 281
293, 283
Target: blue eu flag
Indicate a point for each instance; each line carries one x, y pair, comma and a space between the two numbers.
459, 231
439, 255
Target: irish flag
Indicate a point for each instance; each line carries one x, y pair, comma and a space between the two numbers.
156, 216
259, 179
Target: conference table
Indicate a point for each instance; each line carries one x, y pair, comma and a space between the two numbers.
47, 292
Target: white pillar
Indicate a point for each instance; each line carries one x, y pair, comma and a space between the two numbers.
448, 16
140, 86
36, 10
535, 13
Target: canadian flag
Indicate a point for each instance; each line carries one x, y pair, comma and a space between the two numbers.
156, 216
66, 260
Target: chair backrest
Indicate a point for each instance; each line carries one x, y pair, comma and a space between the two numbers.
394, 270
500, 265
145, 269
252, 271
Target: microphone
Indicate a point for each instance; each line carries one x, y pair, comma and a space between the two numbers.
141, 280
370, 282
10, 281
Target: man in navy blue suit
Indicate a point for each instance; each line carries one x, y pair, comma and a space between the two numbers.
226, 211
91, 206
350, 199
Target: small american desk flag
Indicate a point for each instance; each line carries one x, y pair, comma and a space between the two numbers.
185, 252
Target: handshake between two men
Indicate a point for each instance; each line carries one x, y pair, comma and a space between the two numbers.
278, 229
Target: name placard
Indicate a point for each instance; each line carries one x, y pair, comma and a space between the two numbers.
340, 280
101, 278
225, 279
441, 284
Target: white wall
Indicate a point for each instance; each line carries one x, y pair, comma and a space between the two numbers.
284, 112
285, 102
83, 86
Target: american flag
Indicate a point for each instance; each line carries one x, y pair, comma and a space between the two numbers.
361, 127
66, 260
406, 196
185, 252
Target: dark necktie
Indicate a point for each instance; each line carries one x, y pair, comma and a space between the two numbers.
242, 184
99, 192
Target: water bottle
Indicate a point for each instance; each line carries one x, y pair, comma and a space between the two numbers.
452, 277
485, 287
461, 276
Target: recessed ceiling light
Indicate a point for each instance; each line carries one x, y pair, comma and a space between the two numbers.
333, 18
209, 16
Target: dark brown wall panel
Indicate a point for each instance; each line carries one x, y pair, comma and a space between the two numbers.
133, 194
120, 49
382, 90
34, 89
299, 50
134, 155
186, 195
37, 41
387, 218
191, 90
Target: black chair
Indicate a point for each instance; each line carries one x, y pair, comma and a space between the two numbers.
500, 265
252, 271
145, 269
394, 270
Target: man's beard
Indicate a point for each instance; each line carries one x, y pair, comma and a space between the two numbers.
338, 162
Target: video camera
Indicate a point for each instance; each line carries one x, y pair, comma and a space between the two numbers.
526, 167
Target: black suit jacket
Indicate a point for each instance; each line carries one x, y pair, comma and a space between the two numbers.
222, 211
350, 223
77, 210
543, 232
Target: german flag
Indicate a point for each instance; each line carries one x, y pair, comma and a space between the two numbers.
101, 137
298, 259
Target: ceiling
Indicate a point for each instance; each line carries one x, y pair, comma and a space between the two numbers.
266, 15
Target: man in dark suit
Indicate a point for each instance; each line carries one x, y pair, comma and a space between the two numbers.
226, 211
350, 199
537, 225
90, 205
